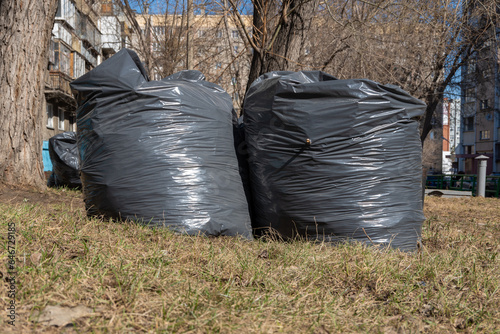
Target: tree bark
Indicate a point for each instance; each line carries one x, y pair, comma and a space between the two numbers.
288, 42
283, 42
25, 31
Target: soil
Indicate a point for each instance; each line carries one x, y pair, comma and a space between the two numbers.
18, 195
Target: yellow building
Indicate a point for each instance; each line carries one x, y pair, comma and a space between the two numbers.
214, 44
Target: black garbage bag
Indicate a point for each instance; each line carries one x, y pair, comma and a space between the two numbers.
242, 154
63, 153
159, 152
334, 159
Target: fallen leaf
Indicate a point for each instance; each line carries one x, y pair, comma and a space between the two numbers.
35, 258
459, 323
427, 310
263, 255
61, 316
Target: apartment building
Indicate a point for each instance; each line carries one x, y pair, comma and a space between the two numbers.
214, 44
480, 125
85, 32
115, 29
75, 49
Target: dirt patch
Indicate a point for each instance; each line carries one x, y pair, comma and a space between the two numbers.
20, 195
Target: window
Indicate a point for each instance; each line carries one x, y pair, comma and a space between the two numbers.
233, 81
156, 46
72, 123
50, 116
61, 57
219, 34
78, 65
484, 135
469, 124
468, 149
235, 48
307, 51
470, 95
60, 32
234, 33
484, 104
201, 33
218, 66
66, 10
61, 119
51, 53
159, 30
486, 73
107, 8
471, 66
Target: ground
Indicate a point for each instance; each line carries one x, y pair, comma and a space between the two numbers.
19, 195
77, 274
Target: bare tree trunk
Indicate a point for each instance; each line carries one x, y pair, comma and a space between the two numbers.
288, 41
189, 35
282, 43
25, 30
259, 36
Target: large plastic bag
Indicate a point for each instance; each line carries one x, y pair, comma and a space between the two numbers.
334, 159
65, 163
159, 152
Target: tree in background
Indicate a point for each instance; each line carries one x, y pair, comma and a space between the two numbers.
171, 36
418, 45
273, 40
278, 33
25, 30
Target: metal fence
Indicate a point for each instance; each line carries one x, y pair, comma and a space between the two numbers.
463, 182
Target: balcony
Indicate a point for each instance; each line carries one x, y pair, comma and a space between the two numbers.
57, 88
60, 32
89, 56
88, 33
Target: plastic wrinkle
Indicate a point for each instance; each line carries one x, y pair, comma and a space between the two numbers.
63, 153
333, 160
159, 152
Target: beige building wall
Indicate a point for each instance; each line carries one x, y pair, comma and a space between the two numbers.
218, 46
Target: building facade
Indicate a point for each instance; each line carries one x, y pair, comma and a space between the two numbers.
74, 50
85, 32
480, 125
213, 44
451, 135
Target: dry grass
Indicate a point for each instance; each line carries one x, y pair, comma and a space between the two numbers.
140, 280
